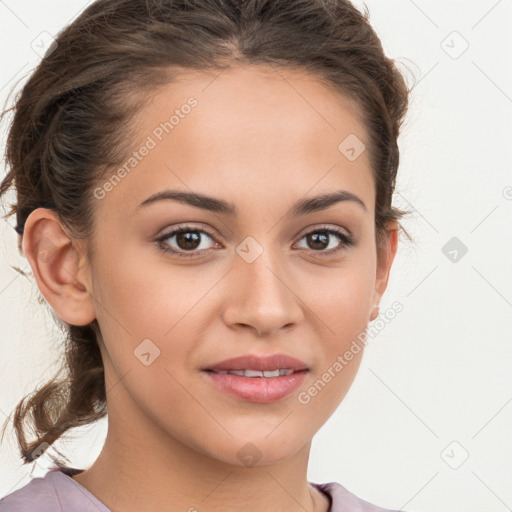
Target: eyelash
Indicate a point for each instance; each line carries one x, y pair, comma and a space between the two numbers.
347, 241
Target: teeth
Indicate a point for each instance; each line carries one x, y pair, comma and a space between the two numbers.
257, 373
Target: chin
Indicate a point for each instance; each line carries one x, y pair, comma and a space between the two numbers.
259, 449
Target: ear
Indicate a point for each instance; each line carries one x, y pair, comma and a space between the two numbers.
56, 259
385, 256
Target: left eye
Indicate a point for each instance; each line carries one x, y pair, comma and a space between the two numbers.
325, 235
189, 239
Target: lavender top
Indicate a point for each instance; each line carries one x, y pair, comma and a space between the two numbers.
58, 492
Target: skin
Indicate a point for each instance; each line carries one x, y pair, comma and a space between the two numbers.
262, 139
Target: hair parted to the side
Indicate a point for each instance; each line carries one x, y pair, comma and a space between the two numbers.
71, 123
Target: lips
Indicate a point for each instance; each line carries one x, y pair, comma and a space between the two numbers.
261, 363
255, 380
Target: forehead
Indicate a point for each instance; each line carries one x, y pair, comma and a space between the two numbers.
253, 132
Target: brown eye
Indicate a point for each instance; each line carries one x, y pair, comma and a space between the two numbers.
320, 239
186, 240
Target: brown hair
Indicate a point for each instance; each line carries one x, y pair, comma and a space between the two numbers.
70, 119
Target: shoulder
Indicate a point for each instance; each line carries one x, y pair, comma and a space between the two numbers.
55, 492
39, 494
342, 500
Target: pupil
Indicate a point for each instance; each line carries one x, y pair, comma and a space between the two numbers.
315, 237
190, 238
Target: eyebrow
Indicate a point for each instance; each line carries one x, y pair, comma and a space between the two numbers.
212, 204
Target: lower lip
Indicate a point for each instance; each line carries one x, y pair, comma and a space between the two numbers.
257, 389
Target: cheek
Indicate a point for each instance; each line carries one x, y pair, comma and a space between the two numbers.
164, 304
140, 294
150, 323
342, 300
342, 310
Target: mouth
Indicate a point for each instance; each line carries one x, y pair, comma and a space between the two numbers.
257, 378
280, 372
256, 386
251, 363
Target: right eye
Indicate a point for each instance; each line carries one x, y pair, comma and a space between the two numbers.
187, 240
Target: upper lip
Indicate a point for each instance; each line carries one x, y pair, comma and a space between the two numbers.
262, 363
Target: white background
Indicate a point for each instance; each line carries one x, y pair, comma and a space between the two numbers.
441, 371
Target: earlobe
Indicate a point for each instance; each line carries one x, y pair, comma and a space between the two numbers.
55, 259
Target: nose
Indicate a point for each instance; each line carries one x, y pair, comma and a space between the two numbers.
261, 296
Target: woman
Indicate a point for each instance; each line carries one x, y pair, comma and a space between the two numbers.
204, 196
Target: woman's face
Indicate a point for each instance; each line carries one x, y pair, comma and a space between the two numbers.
260, 280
